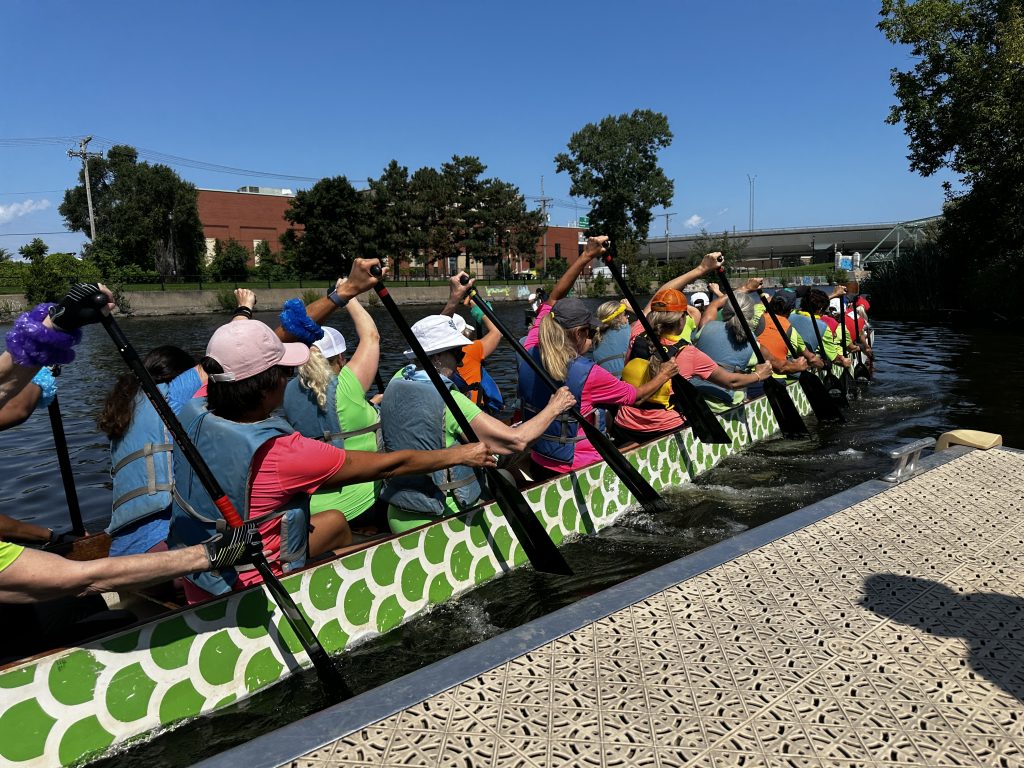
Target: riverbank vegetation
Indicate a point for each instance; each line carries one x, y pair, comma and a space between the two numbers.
960, 106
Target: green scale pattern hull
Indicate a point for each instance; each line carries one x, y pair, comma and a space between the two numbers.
77, 704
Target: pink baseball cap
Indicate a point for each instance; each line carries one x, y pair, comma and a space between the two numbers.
247, 347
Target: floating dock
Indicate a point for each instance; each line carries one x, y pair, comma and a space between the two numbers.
882, 626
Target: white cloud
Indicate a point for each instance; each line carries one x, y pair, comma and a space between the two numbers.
724, 210
15, 210
694, 221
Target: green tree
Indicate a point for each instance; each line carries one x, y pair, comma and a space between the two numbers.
388, 231
49, 276
333, 213
730, 247
614, 165
145, 215
960, 105
5, 255
230, 261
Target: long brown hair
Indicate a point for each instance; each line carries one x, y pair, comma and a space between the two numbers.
163, 363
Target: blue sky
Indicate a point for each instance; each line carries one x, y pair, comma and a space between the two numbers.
794, 91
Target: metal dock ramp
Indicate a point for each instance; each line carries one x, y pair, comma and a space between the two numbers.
882, 626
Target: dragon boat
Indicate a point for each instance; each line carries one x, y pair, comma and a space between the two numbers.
76, 704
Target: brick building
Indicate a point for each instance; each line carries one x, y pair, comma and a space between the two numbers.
249, 215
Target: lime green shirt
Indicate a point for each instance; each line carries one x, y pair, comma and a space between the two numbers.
353, 413
9, 553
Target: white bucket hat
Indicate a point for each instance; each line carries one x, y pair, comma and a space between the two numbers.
437, 333
332, 344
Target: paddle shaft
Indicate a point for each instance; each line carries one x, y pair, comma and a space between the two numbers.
694, 408
818, 397
326, 670
64, 461
779, 399
534, 538
642, 490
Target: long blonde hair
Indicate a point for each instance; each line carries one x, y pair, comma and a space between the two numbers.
315, 374
557, 348
603, 311
664, 324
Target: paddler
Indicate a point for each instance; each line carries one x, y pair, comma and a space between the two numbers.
658, 416
559, 340
782, 304
611, 339
327, 401
266, 468
472, 378
413, 415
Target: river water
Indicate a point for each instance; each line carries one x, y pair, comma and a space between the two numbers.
929, 378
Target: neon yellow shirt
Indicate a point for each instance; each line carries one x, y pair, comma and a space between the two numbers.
9, 553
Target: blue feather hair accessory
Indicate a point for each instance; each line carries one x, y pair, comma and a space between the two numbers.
299, 324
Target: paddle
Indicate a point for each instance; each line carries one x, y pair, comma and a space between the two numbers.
786, 414
534, 538
60, 441
328, 673
832, 384
642, 490
685, 397
824, 407
860, 371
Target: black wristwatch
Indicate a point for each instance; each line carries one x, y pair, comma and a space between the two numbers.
332, 294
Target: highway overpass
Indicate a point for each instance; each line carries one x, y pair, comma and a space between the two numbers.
767, 247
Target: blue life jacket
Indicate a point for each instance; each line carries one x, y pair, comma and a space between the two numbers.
141, 466
610, 354
412, 417
558, 442
305, 414
715, 341
490, 399
228, 448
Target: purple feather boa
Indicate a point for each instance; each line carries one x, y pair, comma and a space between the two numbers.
31, 343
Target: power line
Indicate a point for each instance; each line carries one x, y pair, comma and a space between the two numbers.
35, 192
32, 234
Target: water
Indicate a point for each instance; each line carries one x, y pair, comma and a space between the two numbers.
929, 379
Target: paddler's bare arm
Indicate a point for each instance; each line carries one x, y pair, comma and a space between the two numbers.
504, 439
595, 247
710, 262
362, 466
359, 281
365, 361
36, 576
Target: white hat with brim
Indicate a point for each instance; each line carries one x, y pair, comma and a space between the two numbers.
699, 298
245, 348
437, 333
332, 344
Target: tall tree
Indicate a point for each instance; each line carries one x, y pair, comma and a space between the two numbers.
614, 164
961, 109
388, 230
146, 216
333, 213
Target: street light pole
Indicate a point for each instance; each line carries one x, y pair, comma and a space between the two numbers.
750, 181
667, 247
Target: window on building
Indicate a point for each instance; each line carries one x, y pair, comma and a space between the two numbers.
558, 250
257, 250
211, 246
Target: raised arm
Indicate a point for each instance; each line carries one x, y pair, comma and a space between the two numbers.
595, 247
365, 361
346, 289
492, 338
457, 292
711, 261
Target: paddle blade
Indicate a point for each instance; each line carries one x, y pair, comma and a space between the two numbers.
834, 387
861, 373
824, 407
790, 422
699, 417
637, 484
534, 538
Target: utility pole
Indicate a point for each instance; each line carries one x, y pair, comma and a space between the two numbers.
544, 214
750, 181
82, 153
667, 246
